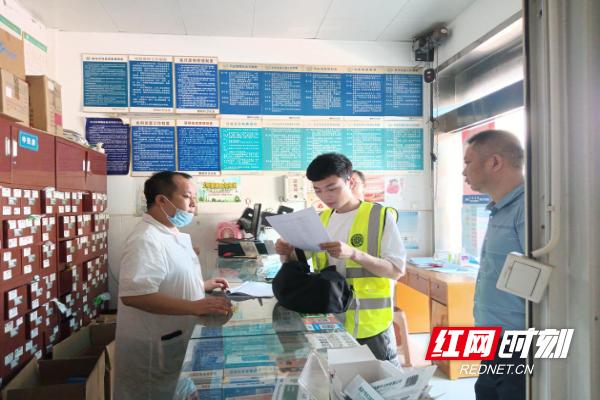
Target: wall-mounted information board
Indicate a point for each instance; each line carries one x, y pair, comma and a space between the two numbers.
153, 145
201, 85
151, 84
196, 85
259, 144
114, 135
241, 145
262, 89
105, 83
197, 145
290, 145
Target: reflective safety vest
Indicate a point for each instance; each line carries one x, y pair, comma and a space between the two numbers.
373, 294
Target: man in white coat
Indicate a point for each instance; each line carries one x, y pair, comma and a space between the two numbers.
161, 292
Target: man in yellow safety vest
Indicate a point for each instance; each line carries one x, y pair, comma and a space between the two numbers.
366, 248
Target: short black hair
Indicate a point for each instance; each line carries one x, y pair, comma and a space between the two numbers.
360, 175
161, 183
501, 142
328, 164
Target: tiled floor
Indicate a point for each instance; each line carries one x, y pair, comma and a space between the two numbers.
442, 387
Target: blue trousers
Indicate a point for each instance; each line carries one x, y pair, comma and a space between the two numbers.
493, 386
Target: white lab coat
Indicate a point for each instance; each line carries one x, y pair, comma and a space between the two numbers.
155, 260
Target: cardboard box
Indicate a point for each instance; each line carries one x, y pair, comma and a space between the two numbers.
355, 371
92, 340
12, 58
45, 104
80, 378
14, 99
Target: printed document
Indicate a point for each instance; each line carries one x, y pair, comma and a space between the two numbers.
302, 229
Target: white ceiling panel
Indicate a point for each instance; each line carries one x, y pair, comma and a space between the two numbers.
418, 16
358, 19
218, 17
146, 16
68, 15
373, 20
289, 18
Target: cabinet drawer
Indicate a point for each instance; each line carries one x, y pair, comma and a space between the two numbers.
438, 291
419, 283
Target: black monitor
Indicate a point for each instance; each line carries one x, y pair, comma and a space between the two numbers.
255, 224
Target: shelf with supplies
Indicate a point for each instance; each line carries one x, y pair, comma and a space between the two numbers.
53, 242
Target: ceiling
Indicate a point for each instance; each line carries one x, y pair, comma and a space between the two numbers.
360, 20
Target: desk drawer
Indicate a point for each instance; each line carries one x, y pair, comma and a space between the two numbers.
419, 283
439, 291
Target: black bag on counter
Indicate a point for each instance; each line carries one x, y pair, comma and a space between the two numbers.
300, 290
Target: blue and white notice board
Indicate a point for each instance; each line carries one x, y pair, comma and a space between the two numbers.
153, 145
105, 83
291, 144
198, 145
313, 90
150, 84
114, 135
202, 85
274, 144
196, 85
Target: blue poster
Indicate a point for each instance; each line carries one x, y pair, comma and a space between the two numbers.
283, 149
151, 83
403, 148
322, 94
105, 82
248, 89
153, 146
403, 95
281, 93
239, 92
196, 84
197, 146
364, 146
363, 94
115, 137
475, 219
241, 149
323, 140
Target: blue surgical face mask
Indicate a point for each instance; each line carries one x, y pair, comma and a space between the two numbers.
181, 218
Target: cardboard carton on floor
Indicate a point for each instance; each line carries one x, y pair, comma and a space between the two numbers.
93, 340
12, 56
14, 97
76, 379
45, 104
356, 373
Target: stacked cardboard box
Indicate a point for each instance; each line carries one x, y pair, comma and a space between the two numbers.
14, 92
45, 105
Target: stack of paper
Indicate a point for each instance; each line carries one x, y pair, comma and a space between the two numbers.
252, 289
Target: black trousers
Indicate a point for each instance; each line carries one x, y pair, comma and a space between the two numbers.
503, 386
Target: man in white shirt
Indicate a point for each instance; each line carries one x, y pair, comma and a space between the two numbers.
366, 248
161, 292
